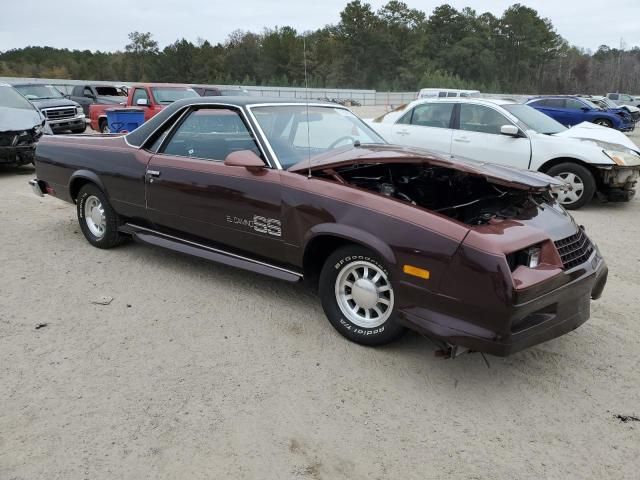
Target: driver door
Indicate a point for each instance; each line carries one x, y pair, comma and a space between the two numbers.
189, 189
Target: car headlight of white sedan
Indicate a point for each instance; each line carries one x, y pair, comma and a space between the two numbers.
623, 157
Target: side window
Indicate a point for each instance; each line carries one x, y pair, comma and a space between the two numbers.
625, 98
574, 104
87, 92
538, 103
210, 134
478, 118
432, 115
442, 94
406, 118
139, 94
452, 94
556, 103
211, 93
614, 96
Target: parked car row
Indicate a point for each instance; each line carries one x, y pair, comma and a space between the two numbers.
572, 110
589, 158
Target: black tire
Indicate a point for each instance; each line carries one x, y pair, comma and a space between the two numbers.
80, 130
103, 126
110, 236
604, 122
337, 265
586, 178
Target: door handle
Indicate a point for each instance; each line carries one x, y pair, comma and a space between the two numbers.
462, 140
153, 173
403, 132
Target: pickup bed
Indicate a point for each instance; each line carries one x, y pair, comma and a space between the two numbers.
153, 97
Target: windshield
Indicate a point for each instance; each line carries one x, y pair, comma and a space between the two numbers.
591, 104
12, 99
606, 103
533, 119
166, 95
38, 92
294, 133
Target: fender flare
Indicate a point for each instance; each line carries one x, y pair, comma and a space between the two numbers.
353, 234
84, 175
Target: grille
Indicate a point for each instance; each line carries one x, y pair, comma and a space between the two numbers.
575, 249
59, 113
8, 140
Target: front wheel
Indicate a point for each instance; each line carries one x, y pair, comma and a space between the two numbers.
603, 122
98, 220
583, 185
358, 297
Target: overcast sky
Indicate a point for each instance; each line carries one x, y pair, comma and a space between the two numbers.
105, 25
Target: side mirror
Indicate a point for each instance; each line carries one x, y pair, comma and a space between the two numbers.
244, 158
510, 130
142, 102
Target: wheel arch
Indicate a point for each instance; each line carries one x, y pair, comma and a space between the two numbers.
324, 239
81, 178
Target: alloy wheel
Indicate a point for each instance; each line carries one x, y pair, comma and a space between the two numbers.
364, 294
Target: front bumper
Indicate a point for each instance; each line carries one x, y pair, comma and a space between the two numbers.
548, 316
17, 154
618, 183
74, 123
36, 187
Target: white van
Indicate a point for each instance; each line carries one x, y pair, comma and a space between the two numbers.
447, 92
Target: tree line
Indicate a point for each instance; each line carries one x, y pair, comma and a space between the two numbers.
396, 48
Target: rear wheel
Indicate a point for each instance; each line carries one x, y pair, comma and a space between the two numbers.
583, 185
98, 220
358, 297
603, 122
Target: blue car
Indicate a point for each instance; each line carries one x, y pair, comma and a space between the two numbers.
571, 111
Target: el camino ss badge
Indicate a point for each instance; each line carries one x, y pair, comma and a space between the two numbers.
260, 224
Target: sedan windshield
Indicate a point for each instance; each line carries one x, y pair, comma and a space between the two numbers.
38, 92
167, 95
533, 119
296, 132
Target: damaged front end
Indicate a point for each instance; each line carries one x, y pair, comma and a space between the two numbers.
17, 147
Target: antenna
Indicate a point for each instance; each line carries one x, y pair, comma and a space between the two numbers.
306, 96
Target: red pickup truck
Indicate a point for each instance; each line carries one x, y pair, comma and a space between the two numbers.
153, 97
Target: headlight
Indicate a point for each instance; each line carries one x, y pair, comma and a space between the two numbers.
529, 257
624, 158
79, 110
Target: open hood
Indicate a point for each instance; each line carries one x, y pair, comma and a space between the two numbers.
390, 154
591, 131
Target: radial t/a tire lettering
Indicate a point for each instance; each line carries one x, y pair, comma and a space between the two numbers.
357, 296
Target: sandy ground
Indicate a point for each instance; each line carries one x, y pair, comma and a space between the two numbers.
199, 371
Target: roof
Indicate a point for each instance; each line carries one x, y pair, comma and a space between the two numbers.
485, 101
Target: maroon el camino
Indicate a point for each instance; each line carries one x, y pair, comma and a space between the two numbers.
478, 257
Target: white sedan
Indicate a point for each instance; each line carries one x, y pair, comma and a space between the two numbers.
588, 157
